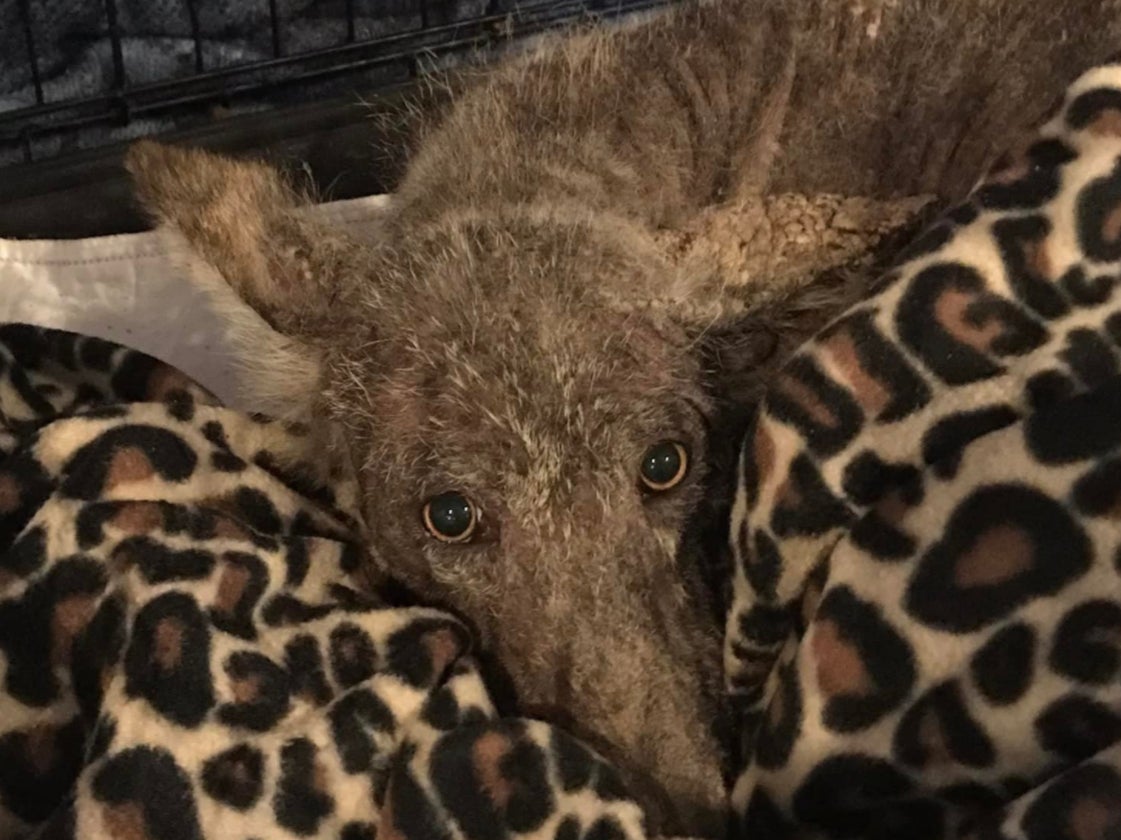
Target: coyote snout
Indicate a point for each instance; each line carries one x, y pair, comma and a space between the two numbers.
542, 453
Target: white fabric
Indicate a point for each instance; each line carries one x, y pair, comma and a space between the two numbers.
127, 289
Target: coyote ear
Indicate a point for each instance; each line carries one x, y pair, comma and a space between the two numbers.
741, 353
247, 239
751, 292
241, 218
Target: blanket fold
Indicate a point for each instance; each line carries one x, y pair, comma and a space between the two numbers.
924, 635
924, 642
185, 650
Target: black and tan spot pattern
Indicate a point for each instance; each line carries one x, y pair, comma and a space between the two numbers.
925, 638
183, 653
938, 476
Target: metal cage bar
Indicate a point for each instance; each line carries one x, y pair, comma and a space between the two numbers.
32, 51
351, 13
274, 24
119, 77
124, 101
196, 33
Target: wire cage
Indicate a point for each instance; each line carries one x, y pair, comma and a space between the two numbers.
82, 74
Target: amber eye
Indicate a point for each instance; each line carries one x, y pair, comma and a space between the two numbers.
450, 517
664, 466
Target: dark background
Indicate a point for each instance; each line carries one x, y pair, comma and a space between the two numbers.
317, 85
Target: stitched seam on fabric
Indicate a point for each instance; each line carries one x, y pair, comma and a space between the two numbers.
89, 261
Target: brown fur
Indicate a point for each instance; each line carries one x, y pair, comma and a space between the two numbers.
521, 333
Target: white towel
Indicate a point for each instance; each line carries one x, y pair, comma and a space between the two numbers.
127, 289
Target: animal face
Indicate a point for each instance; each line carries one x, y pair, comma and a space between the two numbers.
513, 353
528, 456
528, 447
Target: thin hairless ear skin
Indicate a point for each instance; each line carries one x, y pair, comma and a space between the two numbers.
550, 299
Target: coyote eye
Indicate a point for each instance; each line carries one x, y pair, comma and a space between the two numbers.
664, 465
450, 517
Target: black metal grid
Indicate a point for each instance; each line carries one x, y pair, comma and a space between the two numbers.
123, 101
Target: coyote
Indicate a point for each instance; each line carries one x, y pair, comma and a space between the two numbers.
539, 400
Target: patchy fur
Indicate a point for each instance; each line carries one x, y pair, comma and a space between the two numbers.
521, 333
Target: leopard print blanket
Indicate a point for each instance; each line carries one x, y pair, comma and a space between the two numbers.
924, 641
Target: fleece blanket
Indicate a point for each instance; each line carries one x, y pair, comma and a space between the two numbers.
924, 639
